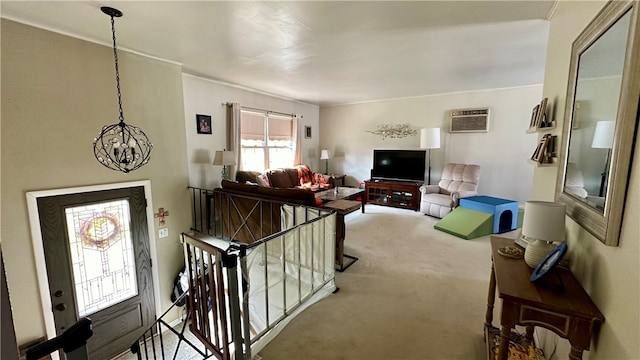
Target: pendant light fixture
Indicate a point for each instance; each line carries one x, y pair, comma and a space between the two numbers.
120, 146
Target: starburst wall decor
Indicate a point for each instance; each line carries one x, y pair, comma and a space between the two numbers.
394, 131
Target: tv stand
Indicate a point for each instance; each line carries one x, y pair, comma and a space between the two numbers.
401, 194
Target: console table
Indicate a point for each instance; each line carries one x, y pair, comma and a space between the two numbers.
566, 310
402, 194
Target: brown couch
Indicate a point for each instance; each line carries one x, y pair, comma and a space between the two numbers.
288, 195
245, 217
283, 177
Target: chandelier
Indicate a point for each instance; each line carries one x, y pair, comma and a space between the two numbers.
120, 146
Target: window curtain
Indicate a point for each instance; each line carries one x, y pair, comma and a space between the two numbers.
297, 141
233, 137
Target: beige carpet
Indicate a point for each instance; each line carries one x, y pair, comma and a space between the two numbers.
415, 293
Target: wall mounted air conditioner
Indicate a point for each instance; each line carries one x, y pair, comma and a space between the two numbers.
470, 120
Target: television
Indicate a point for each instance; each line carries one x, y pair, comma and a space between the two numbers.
408, 165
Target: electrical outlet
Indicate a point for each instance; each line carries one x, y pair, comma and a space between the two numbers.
163, 232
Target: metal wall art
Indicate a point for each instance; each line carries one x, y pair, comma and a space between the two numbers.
394, 131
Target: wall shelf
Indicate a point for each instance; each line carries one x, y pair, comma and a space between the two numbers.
532, 130
539, 164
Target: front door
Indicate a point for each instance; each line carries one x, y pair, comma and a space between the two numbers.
96, 248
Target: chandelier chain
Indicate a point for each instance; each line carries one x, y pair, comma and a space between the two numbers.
115, 57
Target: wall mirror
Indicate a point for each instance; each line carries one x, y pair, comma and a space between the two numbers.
600, 120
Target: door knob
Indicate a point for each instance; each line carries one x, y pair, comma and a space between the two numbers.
61, 307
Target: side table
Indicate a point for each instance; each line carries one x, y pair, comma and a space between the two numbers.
569, 312
336, 180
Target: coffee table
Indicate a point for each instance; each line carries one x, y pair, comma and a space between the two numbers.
341, 193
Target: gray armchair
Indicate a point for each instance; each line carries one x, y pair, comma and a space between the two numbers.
458, 181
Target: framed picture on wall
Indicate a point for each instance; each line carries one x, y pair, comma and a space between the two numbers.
307, 132
203, 124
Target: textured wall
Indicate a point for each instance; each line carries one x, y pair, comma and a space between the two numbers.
502, 152
57, 93
202, 96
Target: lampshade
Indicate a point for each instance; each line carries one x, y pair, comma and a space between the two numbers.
324, 154
603, 135
430, 138
224, 158
543, 220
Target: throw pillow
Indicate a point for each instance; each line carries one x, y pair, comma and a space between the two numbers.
263, 180
280, 179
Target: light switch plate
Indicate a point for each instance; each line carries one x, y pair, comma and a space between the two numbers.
163, 232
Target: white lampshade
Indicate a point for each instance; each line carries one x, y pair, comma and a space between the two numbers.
543, 223
603, 135
430, 138
224, 158
324, 154
543, 220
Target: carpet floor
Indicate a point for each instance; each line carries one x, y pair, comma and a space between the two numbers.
415, 293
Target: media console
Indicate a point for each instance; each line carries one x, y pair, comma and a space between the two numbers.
401, 194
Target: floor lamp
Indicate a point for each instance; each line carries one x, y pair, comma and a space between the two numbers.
603, 139
430, 139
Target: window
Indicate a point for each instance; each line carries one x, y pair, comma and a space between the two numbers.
267, 140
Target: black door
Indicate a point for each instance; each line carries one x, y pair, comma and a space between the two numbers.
97, 256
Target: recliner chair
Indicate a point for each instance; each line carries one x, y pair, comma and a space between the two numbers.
458, 181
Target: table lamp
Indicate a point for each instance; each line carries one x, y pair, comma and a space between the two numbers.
324, 155
429, 139
224, 158
543, 224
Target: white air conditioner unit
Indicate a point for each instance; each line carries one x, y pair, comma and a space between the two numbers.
470, 120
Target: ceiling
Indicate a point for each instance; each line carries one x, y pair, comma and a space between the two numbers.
322, 52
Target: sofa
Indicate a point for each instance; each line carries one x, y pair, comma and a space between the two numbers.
299, 176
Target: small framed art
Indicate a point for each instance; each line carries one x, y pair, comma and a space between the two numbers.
203, 124
307, 132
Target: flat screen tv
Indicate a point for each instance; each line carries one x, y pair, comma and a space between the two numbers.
398, 165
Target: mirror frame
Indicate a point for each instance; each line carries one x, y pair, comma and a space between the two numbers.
606, 225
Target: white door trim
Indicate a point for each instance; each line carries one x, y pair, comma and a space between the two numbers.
38, 247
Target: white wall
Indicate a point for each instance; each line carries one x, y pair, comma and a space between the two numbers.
611, 275
203, 96
502, 152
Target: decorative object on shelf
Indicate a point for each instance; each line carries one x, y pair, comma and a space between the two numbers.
324, 155
120, 146
224, 158
603, 139
511, 252
307, 132
203, 124
534, 117
429, 139
543, 224
545, 151
539, 116
394, 131
549, 262
469, 120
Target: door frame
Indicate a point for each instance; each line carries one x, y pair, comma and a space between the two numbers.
38, 247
